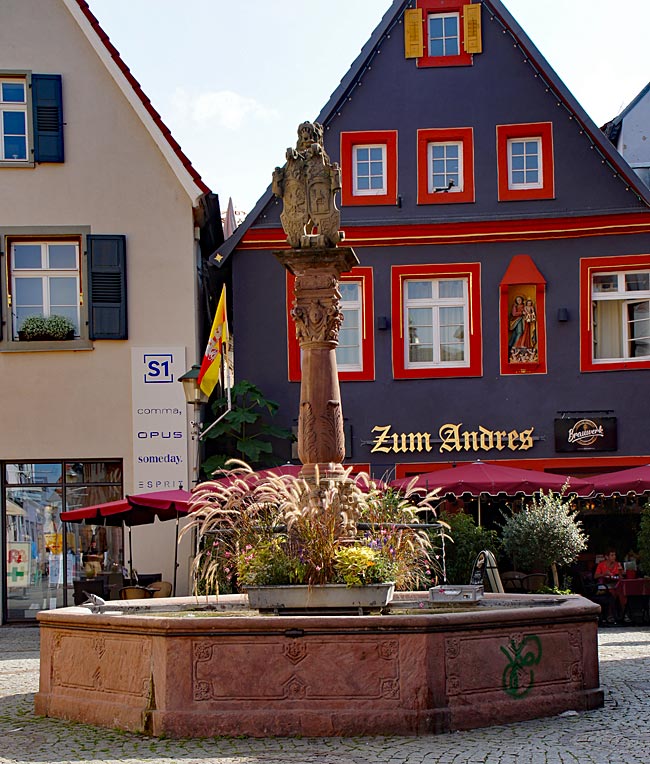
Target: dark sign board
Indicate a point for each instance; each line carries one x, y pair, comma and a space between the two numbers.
586, 433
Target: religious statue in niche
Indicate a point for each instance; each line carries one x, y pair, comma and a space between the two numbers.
307, 184
522, 330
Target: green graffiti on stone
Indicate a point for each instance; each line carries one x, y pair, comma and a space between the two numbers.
518, 675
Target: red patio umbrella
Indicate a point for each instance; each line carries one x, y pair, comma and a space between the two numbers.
477, 478
135, 509
633, 480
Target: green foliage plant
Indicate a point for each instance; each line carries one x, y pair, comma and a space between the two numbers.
59, 327
643, 539
283, 529
39, 327
359, 565
545, 533
466, 540
245, 432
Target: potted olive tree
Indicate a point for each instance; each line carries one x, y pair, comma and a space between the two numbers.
545, 534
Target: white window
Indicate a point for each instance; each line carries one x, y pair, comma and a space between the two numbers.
445, 162
621, 315
435, 312
45, 281
444, 38
348, 352
525, 163
369, 170
13, 120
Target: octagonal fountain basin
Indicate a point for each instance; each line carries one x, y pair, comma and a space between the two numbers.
186, 667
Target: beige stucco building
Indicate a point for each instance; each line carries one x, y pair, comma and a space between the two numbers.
100, 221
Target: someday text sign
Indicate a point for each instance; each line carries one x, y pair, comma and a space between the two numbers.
450, 438
159, 419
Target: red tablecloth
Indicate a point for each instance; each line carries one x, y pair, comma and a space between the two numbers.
631, 587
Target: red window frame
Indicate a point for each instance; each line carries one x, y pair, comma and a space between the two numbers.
541, 130
588, 267
362, 138
462, 135
367, 373
443, 6
401, 273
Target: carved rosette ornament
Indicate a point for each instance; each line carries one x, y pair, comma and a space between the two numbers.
307, 184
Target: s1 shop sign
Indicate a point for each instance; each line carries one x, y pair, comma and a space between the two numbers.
585, 434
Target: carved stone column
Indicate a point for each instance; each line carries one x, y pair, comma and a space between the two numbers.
318, 317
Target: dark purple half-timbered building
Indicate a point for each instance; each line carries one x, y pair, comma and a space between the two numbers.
500, 310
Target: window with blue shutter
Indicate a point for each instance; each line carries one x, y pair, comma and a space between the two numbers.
107, 314
47, 108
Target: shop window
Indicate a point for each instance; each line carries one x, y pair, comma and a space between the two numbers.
445, 165
436, 321
31, 119
369, 167
355, 352
615, 313
525, 161
53, 277
45, 559
523, 324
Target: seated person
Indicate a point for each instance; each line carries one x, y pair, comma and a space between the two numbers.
610, 567
608, 571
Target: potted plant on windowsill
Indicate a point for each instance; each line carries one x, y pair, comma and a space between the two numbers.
46, 328
291, 544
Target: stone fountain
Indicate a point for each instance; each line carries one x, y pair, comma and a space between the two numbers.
211, 666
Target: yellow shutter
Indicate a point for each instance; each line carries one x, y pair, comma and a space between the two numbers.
472, 28
413, 42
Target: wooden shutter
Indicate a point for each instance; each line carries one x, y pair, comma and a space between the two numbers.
413, 34
47, 107
107, 313
472, 28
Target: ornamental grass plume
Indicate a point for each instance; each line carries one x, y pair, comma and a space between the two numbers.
282, 529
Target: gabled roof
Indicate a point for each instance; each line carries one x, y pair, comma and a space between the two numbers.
181, 166
536, 60
612, 128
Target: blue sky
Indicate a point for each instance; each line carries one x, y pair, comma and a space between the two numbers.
232, 79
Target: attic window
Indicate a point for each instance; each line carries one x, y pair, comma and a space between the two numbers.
13, 120
442, 32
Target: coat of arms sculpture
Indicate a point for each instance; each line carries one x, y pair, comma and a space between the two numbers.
307, 185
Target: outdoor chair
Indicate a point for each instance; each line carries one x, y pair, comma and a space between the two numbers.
135, 593
533, 582
161, 588
513, 581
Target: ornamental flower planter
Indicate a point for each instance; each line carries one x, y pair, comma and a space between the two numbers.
38, 328
330, 597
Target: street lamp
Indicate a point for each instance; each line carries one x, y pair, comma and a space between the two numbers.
193, 393
195, 397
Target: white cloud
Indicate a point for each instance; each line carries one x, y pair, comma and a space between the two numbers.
220, 108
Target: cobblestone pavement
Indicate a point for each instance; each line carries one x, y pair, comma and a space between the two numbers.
619, 733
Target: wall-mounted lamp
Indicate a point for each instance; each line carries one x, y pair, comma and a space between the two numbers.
562, 314
383, 322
